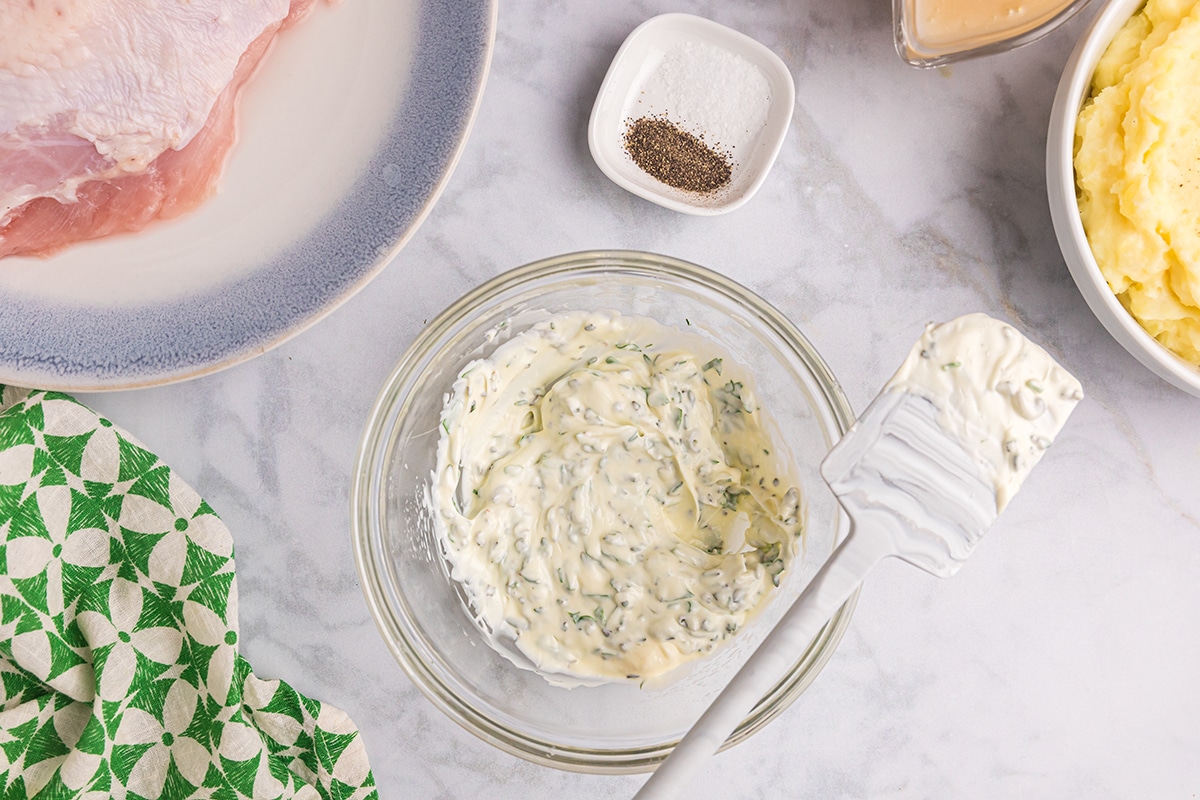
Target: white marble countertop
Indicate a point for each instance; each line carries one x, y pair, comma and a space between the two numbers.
1061, 661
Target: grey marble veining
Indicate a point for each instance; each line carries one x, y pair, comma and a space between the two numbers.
1061, 661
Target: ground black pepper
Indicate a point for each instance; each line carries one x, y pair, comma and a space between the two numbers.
676, 157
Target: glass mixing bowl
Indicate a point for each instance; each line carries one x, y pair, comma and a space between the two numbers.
420, 610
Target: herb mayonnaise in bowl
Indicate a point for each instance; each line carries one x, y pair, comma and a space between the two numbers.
584, 495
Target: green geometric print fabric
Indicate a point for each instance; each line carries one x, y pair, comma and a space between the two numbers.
119, 669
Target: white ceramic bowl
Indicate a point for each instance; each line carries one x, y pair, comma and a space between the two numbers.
1073, 89
419, 608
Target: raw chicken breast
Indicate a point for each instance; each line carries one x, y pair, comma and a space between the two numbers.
116, 112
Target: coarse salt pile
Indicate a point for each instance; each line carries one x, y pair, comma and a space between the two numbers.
716, 95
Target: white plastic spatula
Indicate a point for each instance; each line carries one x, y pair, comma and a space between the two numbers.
922, 475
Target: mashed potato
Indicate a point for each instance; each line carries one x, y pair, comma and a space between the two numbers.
1137, 164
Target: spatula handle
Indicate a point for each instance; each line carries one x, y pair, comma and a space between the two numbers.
829, 588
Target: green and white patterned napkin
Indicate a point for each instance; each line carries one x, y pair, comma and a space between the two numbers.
119, 670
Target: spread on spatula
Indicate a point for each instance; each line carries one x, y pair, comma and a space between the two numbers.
951, 437
922, 475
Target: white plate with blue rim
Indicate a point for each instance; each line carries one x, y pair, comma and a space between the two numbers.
347, 136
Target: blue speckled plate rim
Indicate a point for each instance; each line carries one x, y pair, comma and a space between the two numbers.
79, 348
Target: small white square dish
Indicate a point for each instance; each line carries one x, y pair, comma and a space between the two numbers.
691, 114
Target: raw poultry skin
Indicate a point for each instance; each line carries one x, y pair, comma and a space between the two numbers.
114, 113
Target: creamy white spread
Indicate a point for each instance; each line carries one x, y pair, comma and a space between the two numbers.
609, 499
1000, 395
